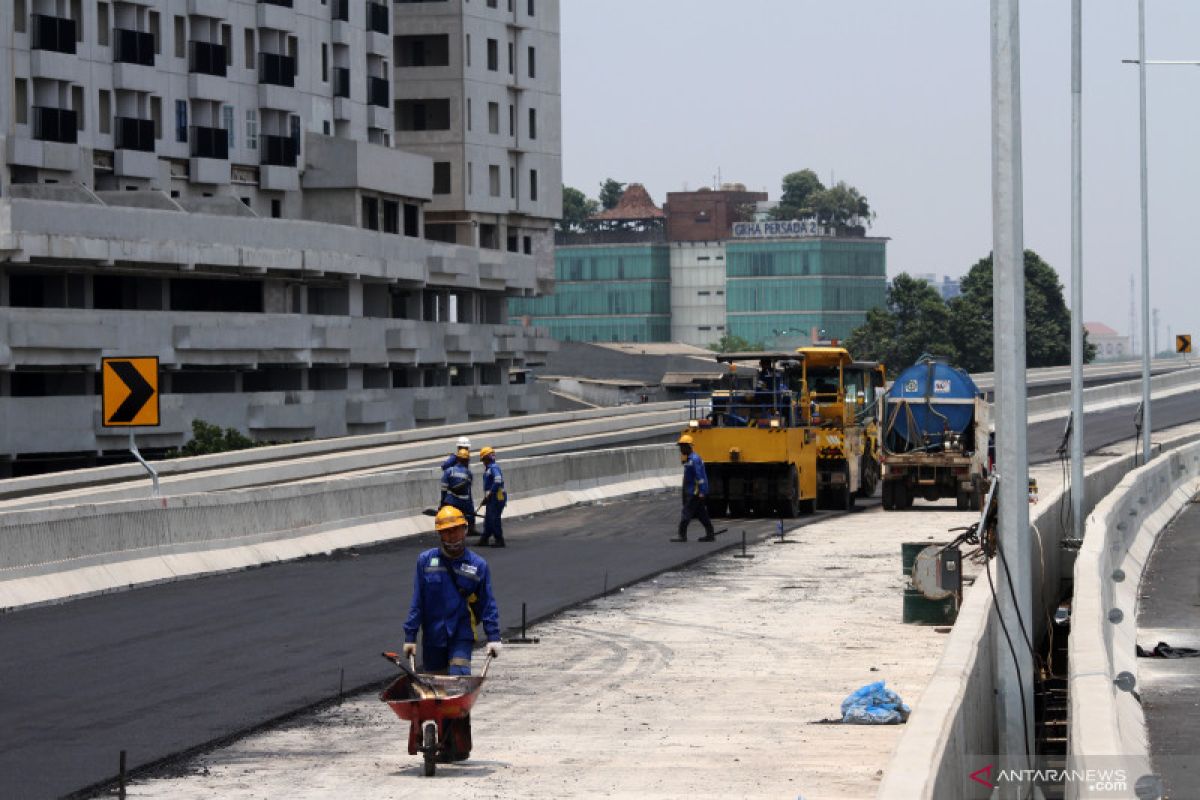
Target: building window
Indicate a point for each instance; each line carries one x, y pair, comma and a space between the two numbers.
21, 100
532, 63
441, 177
493, 117
391, 216
248, 45
370, 213
252, 128
412, 220
493, 55
529, 8
470, 177
156, 116
510, 58
527, 241
512, 120
77, 104
469, 113
19, 16
533, 184
512, 186
533, 123
324, 63
467, 49
276, 208
181, 120
494, 180
227, 121
105, 121
102, 24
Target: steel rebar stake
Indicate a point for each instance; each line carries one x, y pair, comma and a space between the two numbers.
523, 639
743, 554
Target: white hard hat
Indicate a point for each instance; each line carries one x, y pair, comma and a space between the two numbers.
463, 441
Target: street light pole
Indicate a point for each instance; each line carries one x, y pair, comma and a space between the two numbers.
1146, 426
1013, 663
1077, 484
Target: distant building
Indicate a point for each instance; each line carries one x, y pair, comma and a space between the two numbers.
949, 288
716, 269
1110, 345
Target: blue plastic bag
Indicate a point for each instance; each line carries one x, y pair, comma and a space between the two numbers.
874, 704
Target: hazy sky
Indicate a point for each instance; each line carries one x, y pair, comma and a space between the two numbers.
894, 97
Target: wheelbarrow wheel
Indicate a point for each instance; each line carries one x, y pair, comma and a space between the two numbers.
429, 747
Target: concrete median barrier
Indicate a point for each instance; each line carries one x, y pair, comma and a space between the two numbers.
53, 553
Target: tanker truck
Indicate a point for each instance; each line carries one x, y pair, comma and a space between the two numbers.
935, 437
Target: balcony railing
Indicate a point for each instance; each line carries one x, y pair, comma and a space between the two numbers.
276, 69
377, 91
206, 58
378, 17
53, 33
55, 125
133, 47
341, 81
284, 3
279, 151
341, 10
210, 142
135, 134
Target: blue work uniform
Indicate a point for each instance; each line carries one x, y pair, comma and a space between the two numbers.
450, 461
441, 609
456, 491
497, 499
695, 488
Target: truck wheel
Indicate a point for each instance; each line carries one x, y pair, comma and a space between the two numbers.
889, 491
789, 498
962, 500
716, 506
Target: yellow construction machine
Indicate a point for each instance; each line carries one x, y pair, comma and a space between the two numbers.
758, 451
840, 405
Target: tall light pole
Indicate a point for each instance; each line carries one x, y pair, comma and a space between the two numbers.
1013, 662
1077, 484
1146, 427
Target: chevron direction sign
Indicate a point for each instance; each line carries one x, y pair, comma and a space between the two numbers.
130, 391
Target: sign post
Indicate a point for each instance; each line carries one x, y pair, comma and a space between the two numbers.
130, 399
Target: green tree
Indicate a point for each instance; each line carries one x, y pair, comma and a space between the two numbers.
914, 322
798, 187
733, 344
1047, 319
208, 438
577, 207
841, 206
610, 193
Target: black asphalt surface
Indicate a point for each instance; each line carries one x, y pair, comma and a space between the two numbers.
1104, 428
1169, 610
159, 670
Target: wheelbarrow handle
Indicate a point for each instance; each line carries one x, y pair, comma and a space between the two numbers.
487, 663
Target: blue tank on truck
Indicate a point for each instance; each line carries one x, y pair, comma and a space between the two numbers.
928, 403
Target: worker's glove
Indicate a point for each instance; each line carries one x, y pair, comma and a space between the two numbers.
493, 649
410, 649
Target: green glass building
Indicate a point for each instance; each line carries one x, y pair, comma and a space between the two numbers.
605, 293
775, 287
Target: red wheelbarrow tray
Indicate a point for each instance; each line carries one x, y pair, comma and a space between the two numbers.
461, 691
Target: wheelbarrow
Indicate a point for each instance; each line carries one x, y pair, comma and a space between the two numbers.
433, 705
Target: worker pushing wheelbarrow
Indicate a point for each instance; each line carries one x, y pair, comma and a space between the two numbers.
437, 708
452, 595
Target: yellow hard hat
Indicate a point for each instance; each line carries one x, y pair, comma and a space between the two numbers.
487, 451
463, 452
685, 439
449, 517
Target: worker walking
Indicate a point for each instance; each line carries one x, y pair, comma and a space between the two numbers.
452, 594
457, 481
495, 498
695, 490
463, 441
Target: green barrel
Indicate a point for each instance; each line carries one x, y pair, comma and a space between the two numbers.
920, 610
908, 554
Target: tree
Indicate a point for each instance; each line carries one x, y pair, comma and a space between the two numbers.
208, 438
841, 206
1047, 319
577, 207
915, 321
733, 344
610, 193
798, 187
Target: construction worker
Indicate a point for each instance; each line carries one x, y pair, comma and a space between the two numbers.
456, 487
695, 489
452, 594
495, 498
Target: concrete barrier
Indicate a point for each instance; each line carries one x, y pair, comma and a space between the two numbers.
54, 553
1113, 395
1104, 720
955, 719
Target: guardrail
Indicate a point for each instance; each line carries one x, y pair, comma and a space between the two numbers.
1105, 717
1048, 406
955, 718
54, 553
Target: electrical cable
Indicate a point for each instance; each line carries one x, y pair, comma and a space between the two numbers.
1016, 662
